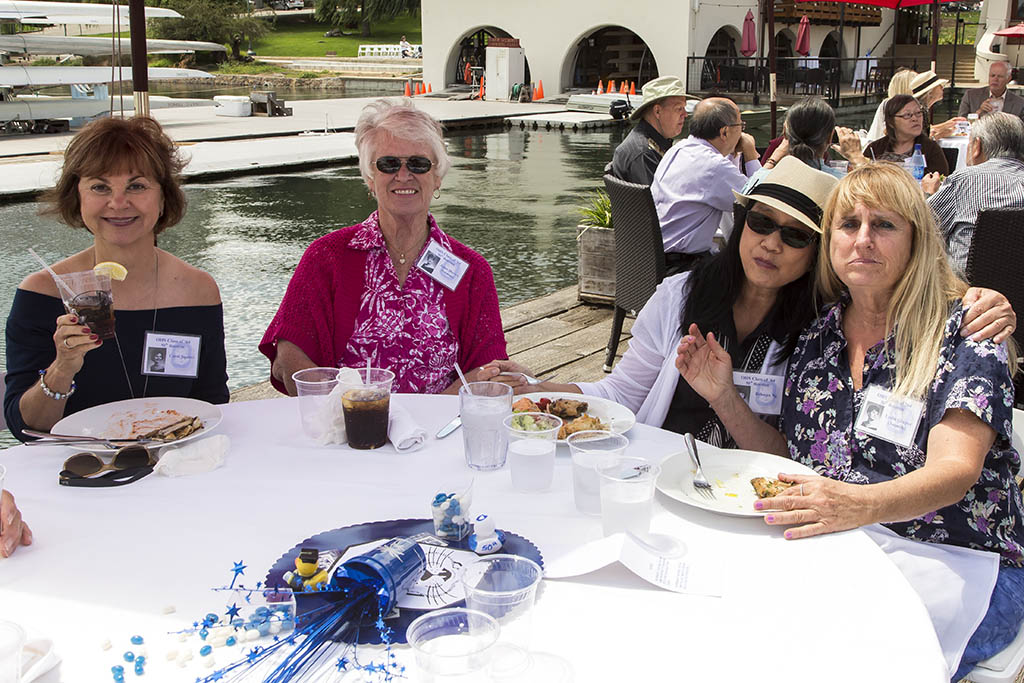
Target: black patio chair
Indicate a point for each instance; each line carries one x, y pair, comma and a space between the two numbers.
639, 253
998, 233
952, 154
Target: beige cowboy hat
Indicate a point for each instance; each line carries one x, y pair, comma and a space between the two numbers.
795, 189
658, 89
923, 82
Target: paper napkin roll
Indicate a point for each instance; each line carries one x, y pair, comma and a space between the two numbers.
404, 432
202, 455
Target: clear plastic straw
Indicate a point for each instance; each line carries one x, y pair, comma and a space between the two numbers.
56, 278
367, 380
465, 382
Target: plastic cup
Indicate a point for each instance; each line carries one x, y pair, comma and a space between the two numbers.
313, 386
483, 407
453, 644
367, 407
531, 449
12, 641
505, 587
591, 449
840, 165
627, 495
450, 508
93, 302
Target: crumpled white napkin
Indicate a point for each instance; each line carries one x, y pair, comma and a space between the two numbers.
404, 432
203, 455
331, 418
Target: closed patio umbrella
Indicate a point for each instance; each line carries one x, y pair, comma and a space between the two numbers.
748, 42
803, 37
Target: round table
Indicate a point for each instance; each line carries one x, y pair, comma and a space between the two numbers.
106, 562
959, 143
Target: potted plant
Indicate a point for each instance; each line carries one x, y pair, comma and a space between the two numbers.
596, 270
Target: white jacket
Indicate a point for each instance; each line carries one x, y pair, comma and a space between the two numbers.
645, 379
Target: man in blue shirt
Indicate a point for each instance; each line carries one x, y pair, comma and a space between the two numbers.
693, 185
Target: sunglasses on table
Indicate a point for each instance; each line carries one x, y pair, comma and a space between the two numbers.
129, 464
418, 165
793, 237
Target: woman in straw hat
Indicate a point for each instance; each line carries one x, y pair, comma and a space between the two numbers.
928, 88
756, 294
941, 467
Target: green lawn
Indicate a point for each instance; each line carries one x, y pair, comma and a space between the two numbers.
949, 20
300, 36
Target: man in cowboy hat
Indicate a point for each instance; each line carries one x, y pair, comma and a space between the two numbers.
995, 97
659, 119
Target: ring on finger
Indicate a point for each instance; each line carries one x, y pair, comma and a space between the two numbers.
801, 489
66, 345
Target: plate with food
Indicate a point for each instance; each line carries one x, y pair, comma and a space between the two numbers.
738, 478
164, 419
578, 411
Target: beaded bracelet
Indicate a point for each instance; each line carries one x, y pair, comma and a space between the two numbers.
55, 395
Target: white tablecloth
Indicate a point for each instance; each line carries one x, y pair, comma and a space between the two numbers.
958, 143
106, 562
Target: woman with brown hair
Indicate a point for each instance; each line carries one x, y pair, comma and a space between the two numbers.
120, 183
904, 128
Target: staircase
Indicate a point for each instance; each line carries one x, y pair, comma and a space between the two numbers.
906, 55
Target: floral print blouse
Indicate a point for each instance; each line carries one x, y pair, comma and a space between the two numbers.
820, 407
403, 328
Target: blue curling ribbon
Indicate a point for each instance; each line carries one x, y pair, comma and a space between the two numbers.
387, 569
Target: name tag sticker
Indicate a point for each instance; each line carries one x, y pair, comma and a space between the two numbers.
763, 393
171, 355
442, 265
889, 418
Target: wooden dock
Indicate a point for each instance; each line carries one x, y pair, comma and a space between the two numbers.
555, 334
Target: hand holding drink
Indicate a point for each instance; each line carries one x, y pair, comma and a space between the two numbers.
89, 301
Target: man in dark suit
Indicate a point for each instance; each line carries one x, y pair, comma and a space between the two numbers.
995, 97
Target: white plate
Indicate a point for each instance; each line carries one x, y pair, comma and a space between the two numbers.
617, 416
107, 420
729, 472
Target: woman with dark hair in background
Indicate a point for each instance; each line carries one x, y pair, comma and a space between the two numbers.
904, 128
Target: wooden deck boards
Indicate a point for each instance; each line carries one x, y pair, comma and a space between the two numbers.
553, 334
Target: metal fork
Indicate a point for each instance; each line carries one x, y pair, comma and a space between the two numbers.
700, 482
530, 380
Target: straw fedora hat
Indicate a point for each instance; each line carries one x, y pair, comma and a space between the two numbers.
658, 89
923, 82
795, 189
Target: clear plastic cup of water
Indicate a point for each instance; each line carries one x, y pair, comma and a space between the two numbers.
483, 407
531, 449
453, 644
592, 449
313, 386
627, 495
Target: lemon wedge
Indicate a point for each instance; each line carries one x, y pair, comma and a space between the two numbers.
115, 270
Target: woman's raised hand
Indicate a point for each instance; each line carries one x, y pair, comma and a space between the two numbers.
73, 340
705, 365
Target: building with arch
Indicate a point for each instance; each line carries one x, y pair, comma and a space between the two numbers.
571, 43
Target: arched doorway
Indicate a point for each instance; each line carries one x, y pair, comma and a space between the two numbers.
721, 52
611, 52
784, 42
469, 56
830, 46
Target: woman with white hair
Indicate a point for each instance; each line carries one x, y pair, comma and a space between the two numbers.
393, 290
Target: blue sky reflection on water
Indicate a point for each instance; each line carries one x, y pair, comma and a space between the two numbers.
511, 195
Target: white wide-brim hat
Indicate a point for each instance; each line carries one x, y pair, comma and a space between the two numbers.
658, 89
795, 189
923, 82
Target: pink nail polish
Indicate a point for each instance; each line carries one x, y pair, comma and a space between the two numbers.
788, 534
758, 505
769, 518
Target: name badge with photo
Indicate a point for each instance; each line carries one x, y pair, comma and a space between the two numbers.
889, 418
763, 393
442, 265
171, 355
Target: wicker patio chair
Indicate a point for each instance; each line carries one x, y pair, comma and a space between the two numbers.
1000, 232
639, 253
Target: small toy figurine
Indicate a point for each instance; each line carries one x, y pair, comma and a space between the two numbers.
485, 538
306, 562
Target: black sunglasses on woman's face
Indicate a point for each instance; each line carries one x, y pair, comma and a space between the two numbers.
793, 237
418, 165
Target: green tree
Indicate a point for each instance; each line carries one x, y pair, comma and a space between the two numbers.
218, 21
344, 13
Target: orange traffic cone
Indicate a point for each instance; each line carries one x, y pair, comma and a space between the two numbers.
420, 88
540, 90
481, 95
622, 88
429, 89
600, 88
408, 90
535, 94
632, 87
611, 86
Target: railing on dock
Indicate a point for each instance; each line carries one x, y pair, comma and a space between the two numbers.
825, 76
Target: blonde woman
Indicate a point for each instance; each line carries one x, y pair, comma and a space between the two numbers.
940, 467
899, 84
